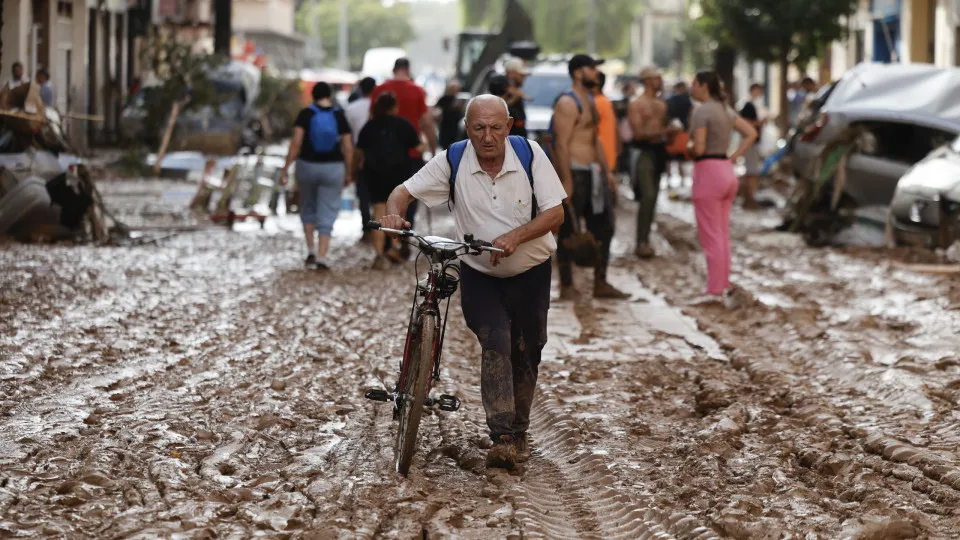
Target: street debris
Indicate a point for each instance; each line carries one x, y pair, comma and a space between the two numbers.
868, 134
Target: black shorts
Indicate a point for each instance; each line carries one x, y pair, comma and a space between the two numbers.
381, 186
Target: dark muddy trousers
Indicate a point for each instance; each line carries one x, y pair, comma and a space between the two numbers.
363, 200
649, 166
600, 225
509, 317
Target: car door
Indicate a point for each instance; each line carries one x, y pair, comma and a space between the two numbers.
890, 149
871, 180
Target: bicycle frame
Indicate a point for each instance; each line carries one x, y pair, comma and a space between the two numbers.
430, 305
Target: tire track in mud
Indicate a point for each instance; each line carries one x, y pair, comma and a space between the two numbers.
568, 492
928, 477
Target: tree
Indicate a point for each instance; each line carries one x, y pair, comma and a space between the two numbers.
181, 73
560, 26
369, 23
710, 43
782, 31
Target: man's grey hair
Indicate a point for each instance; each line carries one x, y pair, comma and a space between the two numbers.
486, 97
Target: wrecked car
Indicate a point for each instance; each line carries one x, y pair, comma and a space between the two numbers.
223, 129
927, 200
876, 123
900, 113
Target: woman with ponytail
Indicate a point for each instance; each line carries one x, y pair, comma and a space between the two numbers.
715, 185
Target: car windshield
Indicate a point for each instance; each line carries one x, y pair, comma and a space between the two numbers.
544, 88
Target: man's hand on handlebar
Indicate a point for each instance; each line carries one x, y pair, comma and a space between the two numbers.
505, 242
394, 221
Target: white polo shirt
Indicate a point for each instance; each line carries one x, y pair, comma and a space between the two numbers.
490, 207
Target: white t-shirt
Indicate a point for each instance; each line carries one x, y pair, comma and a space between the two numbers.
357, 114
13, 83
488, 208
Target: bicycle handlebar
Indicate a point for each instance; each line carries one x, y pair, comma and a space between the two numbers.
476, 246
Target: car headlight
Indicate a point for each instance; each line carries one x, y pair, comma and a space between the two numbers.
916, 210
919, 207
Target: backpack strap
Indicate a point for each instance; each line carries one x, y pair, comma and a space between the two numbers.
521, 146
454, 156
576, 100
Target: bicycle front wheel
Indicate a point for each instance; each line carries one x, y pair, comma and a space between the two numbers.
413, 391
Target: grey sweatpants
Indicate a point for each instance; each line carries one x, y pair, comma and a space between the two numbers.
509, 317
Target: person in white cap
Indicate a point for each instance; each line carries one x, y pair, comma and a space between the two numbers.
648, 118
517, 73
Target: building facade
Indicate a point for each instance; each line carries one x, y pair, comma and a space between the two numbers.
81, 43
91, 48
901, 31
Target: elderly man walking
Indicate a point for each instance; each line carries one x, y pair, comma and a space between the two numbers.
505, 297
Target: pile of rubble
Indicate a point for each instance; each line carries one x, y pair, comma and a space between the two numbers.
46, 191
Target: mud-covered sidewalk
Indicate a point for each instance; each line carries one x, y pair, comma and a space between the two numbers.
209, 386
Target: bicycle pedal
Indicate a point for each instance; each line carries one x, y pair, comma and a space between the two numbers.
377, 394
448, 403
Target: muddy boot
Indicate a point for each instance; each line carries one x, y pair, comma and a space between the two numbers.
405, 251
569, 293
503, 455
311, 261
603, 289
644, 251
522, 442
381, 263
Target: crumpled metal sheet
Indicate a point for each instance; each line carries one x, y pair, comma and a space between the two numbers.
914, 93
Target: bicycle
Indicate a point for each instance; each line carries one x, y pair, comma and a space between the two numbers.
424, 343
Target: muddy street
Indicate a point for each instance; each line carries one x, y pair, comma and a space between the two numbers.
208, 386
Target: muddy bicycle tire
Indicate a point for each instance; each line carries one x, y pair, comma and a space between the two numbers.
415, 385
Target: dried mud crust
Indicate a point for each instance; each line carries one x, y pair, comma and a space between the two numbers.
200, 388
209, 386
836, 414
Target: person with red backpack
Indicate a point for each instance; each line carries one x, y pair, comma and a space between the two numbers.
322, 145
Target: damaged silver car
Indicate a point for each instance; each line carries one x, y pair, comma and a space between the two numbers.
927, 200
902, 111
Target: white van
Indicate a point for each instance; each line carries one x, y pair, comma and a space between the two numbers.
378, 62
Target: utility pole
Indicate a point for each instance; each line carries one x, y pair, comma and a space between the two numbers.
592, 29
342, 52
222, 30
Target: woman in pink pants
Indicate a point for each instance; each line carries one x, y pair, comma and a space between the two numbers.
714, 182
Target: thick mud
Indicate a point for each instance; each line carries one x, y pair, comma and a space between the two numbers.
209, 386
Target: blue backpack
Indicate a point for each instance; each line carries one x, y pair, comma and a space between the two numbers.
551, 144
324, 134
523, 150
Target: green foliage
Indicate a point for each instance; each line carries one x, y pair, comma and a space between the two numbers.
181, 72
560, 26
776, 30
279, 104
370, 24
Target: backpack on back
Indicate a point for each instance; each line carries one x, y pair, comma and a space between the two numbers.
521, 147
388, 155
324, 133
549, 144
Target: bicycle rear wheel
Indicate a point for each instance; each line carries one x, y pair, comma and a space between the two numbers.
414, 391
